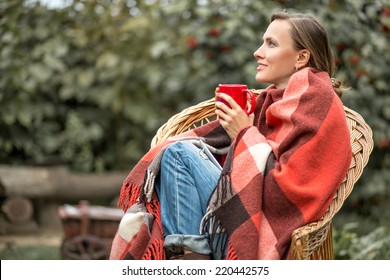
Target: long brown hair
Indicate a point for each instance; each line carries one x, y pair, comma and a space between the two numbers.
307, 33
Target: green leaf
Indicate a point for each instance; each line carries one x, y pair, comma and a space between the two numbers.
108, 60
86, 78
40, 72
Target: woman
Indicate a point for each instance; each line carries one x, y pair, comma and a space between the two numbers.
282, 165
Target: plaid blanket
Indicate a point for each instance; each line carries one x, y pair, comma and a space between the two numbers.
279, 174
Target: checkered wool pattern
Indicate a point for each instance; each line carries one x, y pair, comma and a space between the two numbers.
279, 174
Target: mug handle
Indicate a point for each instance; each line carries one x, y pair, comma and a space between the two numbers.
253, 101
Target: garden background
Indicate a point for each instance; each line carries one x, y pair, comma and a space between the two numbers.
87, 84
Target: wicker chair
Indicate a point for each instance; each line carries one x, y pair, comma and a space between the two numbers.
314, 240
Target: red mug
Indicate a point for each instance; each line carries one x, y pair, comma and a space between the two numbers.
240, 94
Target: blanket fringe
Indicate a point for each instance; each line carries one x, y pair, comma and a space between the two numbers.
148, 188
222, 192
129, 195
153, 208
231, 253
155, 251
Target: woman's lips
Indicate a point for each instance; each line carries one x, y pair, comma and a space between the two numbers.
260, 66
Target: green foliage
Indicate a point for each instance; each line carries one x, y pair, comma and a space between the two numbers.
38, 252
90, 84
108, 63
373, 246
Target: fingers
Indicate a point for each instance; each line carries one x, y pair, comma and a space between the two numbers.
228, 100
221, 109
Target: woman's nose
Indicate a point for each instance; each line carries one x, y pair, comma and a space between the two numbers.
258, 53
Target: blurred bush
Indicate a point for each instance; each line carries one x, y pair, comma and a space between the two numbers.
89, 84
374, 245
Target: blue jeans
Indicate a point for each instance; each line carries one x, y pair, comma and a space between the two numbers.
187, 179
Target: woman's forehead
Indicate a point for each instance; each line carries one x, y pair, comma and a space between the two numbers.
278, 29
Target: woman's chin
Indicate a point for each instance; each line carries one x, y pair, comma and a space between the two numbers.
260, 78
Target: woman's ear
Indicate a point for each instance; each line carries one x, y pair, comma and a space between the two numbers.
303, 59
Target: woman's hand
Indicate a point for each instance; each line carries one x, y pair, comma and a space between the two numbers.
233, 119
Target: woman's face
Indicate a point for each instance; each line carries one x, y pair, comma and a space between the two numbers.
276, 57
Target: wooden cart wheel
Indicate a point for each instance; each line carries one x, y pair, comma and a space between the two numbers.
85, 247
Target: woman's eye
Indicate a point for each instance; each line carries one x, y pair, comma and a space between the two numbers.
271, 44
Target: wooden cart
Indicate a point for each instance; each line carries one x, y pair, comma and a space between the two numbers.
88, 230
